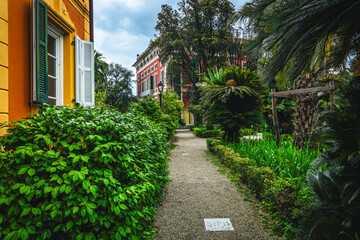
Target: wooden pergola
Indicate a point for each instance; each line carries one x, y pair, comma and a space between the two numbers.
294, 93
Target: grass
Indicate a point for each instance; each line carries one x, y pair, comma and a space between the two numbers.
287, 162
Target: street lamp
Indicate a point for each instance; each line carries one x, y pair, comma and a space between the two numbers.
161, 89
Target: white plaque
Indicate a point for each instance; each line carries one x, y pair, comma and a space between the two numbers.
218, 224
186, 154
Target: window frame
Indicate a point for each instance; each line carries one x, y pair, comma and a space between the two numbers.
58, 35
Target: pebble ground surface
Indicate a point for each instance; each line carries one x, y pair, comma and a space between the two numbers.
196, 191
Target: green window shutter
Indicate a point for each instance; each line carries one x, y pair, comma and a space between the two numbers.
41, 52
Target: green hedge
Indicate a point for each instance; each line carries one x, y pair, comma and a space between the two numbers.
286, 203
204, 133
81, 173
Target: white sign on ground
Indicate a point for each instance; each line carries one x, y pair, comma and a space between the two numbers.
186, 154
218, 224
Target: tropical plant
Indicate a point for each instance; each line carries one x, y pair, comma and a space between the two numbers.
232, 100
337, 213
303, 36
81, 173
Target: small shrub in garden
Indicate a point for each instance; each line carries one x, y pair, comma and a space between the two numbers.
150, 107
81, 173
204, 133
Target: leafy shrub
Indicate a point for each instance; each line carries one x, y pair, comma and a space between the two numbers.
204, 133
81, 173
287, 199
172, 106
150, 108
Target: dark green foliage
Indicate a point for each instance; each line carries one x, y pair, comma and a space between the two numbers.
338, 188
81, 173
204, 133
300, 35
115, 82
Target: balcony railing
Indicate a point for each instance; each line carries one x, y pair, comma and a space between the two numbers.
146, 93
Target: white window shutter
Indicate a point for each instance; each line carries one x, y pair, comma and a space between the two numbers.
85, 76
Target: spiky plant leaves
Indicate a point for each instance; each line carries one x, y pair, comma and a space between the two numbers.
324, 186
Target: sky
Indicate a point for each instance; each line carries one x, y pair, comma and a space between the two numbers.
124, 28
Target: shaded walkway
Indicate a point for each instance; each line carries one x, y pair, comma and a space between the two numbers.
197, 191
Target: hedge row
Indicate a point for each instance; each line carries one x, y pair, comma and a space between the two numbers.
204, 133
81, 173
283, 201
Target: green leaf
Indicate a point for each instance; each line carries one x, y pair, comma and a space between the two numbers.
48, 189
86, 185
55, 192
25, 189
23, 170
69, 225
31, 172
25, 212
75, 210
117, 210
31, 229
123, 197
128, 230
68, 189
83, 212
106, 182
91, 205
17, 185
53, 214
93, 190
123, 206
40, 183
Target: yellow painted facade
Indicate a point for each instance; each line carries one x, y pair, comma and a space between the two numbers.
4, 63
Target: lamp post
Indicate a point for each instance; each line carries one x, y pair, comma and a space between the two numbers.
161, 89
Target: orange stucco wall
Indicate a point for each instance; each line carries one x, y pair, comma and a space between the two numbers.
75, 17
19, 59
72, 17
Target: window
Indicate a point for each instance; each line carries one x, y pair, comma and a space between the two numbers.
84, 74
152, 69
151, 57
155, 66
162, 76
55, 66
139, 90
141, 64
142, 87
148, 71
47, 58
156, 80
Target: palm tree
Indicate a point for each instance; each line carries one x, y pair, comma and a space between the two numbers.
232, 100
300, 33
303, 37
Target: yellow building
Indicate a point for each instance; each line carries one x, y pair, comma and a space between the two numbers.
46, 55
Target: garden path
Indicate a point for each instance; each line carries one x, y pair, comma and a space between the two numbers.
196, 191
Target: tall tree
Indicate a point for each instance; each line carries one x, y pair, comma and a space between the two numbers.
114, 82
192, 38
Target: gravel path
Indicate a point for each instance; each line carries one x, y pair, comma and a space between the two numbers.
197, 191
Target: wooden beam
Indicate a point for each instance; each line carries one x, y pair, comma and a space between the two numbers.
294, 93
275, 119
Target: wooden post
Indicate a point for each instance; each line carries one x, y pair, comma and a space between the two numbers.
275, 119
332, 95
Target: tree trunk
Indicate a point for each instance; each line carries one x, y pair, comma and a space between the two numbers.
307, 109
